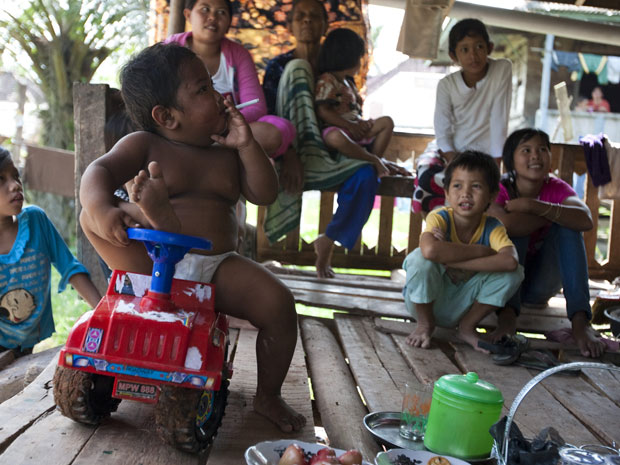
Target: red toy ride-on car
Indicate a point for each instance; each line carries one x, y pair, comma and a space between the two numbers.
151, 339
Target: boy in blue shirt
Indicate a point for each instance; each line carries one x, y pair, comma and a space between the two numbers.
466, 266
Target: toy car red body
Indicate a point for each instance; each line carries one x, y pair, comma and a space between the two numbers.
151, 339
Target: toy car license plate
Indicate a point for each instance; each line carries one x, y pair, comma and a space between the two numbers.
133, 390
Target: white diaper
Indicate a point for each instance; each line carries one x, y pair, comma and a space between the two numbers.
201, 268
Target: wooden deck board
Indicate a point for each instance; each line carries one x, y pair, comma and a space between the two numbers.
606, 381
428, 364
588, 405
22, 410
58, 441
242, 427
351, 304
395, 295
388, 354
335, 391
379, 390
538, 410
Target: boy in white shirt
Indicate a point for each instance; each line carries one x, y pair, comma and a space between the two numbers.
471, 110
473, 104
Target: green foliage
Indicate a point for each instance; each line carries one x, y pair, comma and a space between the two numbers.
67, 308
65, 42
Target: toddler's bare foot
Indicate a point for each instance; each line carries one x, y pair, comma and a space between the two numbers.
421, 336
150, 193
323, 247
506, 325
588, 340
275, 409
472, 338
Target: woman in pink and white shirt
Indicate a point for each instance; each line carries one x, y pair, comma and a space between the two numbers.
232, 70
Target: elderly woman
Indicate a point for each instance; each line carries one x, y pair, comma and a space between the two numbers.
289, 91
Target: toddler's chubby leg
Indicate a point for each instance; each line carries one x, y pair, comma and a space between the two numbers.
150, 192
382, 132
247, 290
421, 335
467, 325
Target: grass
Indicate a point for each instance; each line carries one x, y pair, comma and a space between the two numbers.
67, 308
370, 233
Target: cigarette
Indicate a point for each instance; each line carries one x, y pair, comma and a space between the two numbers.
246, 104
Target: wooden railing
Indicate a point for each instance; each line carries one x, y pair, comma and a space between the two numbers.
566, 160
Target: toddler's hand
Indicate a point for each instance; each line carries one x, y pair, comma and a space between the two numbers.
356, 130
112, 226
366, 125
239, 132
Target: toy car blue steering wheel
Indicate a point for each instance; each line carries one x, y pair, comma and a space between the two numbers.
166, 249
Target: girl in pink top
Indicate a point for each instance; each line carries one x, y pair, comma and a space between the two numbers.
544, 219
232, 70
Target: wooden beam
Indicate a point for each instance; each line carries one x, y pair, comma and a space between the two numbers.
89, 114
176, 21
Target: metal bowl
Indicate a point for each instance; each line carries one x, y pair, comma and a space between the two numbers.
613, 314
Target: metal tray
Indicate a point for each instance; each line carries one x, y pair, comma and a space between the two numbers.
384, 427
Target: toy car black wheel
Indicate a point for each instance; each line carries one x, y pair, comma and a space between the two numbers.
188, 418
84, 397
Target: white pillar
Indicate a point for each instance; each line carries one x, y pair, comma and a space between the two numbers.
545, 82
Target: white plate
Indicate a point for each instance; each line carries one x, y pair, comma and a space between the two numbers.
414, 455
269, 452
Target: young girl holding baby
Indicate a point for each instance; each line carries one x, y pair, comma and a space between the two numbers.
544, 219
339, 104
29, 245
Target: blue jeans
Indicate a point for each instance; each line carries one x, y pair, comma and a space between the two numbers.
560, 263
356, 197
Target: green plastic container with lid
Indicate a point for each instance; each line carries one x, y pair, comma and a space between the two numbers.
463, 409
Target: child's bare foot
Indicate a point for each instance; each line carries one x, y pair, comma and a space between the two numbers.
588, 340
275, 409
506, 325
323, 247
150, 193
472, 337
421, 336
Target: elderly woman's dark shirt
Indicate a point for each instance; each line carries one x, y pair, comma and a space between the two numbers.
273, 73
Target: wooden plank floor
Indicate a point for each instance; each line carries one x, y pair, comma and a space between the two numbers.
33, 432
358, 363
585, 408
381, 363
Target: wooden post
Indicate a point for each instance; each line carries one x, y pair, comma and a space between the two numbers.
176, 21
89, 103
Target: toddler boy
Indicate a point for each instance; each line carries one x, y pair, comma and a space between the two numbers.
192, 159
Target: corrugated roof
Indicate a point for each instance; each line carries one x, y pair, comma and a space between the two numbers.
584, 13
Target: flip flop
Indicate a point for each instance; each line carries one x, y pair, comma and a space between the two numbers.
507, 350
